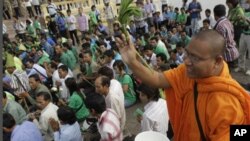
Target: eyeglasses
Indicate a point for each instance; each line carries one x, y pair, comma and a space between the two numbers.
193, 58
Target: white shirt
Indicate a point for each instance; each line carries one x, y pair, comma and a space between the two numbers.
212, 21
55, 76
65, 92
68, 133
155, 117
50, 111
28, 3
52, 9
153, 60
37, 69
35, 2
109, 126
109, 12
116, 86
4, 29
71, 21
115, 102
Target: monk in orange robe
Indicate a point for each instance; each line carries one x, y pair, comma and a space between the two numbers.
221, 100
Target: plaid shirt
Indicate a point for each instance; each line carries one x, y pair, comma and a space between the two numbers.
15, 84
225, 28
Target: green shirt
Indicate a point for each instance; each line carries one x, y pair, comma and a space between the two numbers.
181, 18
75, 102
65, 60
235, 14
93, 19
186, 41
72, 58
161, 48
16, 110
247, 31
44, 58
130, 94
91, 69
31, 31
37, 25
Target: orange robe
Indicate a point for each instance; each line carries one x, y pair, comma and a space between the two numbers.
220, 103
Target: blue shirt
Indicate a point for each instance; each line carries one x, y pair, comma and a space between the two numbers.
51, 41
171, 15
48, 48
27, 131
61, 23
194, 5
68, 133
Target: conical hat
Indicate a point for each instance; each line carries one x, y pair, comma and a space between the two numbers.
9, 60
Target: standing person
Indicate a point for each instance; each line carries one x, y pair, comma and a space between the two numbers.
52, 9
149, 8
235, 15
93, 19
109, 14
37, 7
51, 24
112, 99
28, 6
27, 131
15, 5
210, 17
244, 45
195, 8
225, 28
19, 27
69, 129
222, 101
108, 122
61, 24
71, 21
83, 21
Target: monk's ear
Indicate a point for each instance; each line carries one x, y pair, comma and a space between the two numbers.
218, 60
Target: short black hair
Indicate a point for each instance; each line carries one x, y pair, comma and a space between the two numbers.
66, 115
154, 38
46, 96
206, 21
109, 53
151, 93
162, 56
180, 44
30, 61
63, 67
8, 121
96, 102
208, 10
106, 71
68, 10
105, 81
119, 64
147, 47
220, 10
36, 77
71, 85
88, 51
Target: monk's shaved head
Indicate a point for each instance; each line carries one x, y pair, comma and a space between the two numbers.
215, 40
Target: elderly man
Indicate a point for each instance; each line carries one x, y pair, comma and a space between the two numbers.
204, 74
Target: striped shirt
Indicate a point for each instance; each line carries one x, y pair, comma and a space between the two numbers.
225, 28
109, 126
15, 84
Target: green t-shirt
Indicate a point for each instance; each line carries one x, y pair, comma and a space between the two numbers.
31, 31
65, 60
93, 19
75, 102
130, 94
235, 14
37, 25
44, 58
182, 19
72, 58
